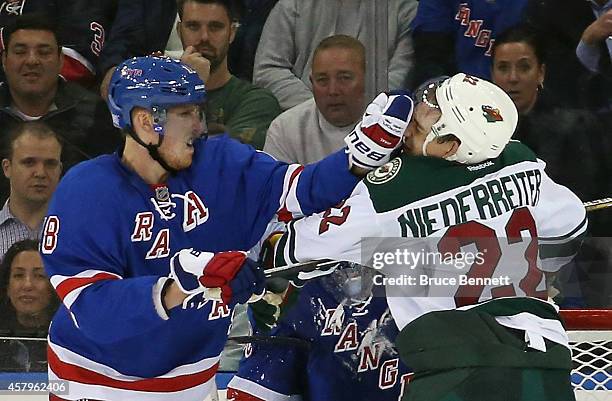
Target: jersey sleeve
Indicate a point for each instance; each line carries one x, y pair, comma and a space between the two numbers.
287, 190
123, 31
336, 233
87, 267
562, 223
434, 16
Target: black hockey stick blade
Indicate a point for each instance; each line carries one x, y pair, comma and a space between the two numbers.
271, 340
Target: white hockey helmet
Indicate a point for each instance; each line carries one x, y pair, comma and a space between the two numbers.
479, 113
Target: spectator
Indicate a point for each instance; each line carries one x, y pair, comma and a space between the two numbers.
82, 27
294, 27
457, 35
346, 350
27, 304
595, 47
312, 130
34, 91
28, 296
558, 134
579, 72
139, 28
242, 52
575, 147
33, 168
243, 110
98, 35
9, 10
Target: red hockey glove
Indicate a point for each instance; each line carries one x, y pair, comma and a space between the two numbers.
236, 276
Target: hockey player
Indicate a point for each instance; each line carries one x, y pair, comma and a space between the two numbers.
347, 350
461, 186
133, 240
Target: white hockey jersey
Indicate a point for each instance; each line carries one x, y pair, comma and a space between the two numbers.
449, 235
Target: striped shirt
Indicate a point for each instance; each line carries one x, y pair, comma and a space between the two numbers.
13, 230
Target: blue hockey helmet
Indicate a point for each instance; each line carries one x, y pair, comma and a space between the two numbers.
153, 83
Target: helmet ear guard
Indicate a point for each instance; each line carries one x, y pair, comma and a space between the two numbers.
160, 116
479, 113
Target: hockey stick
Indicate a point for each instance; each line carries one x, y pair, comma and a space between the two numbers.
271, 340
598, 204
5, 338
301, 271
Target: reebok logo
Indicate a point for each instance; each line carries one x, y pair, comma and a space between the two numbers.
480, 166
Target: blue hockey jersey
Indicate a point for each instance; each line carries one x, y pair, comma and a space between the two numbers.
473, 25
107, 242
351, 356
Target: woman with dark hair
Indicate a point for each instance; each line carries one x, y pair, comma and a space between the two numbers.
519, 68
573, 142
27, 304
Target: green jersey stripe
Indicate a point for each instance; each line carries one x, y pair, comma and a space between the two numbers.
579, 227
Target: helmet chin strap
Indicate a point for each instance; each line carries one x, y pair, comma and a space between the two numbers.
453, 158
153, 151
430, 137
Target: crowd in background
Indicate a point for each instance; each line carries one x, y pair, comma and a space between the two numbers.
292, 78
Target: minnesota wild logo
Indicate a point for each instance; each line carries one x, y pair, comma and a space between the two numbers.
385, 172
492, 115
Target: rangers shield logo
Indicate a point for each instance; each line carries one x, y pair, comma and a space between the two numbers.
492, 115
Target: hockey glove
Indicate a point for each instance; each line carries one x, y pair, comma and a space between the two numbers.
271, 308
380, 131
236, 276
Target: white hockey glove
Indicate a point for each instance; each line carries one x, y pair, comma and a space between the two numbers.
237, 276
380, 131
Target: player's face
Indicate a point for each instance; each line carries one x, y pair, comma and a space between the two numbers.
517, 71
32, 62
28, 289
208, 28
423, 119
184, 124
426, 114
34, 168
338, 85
